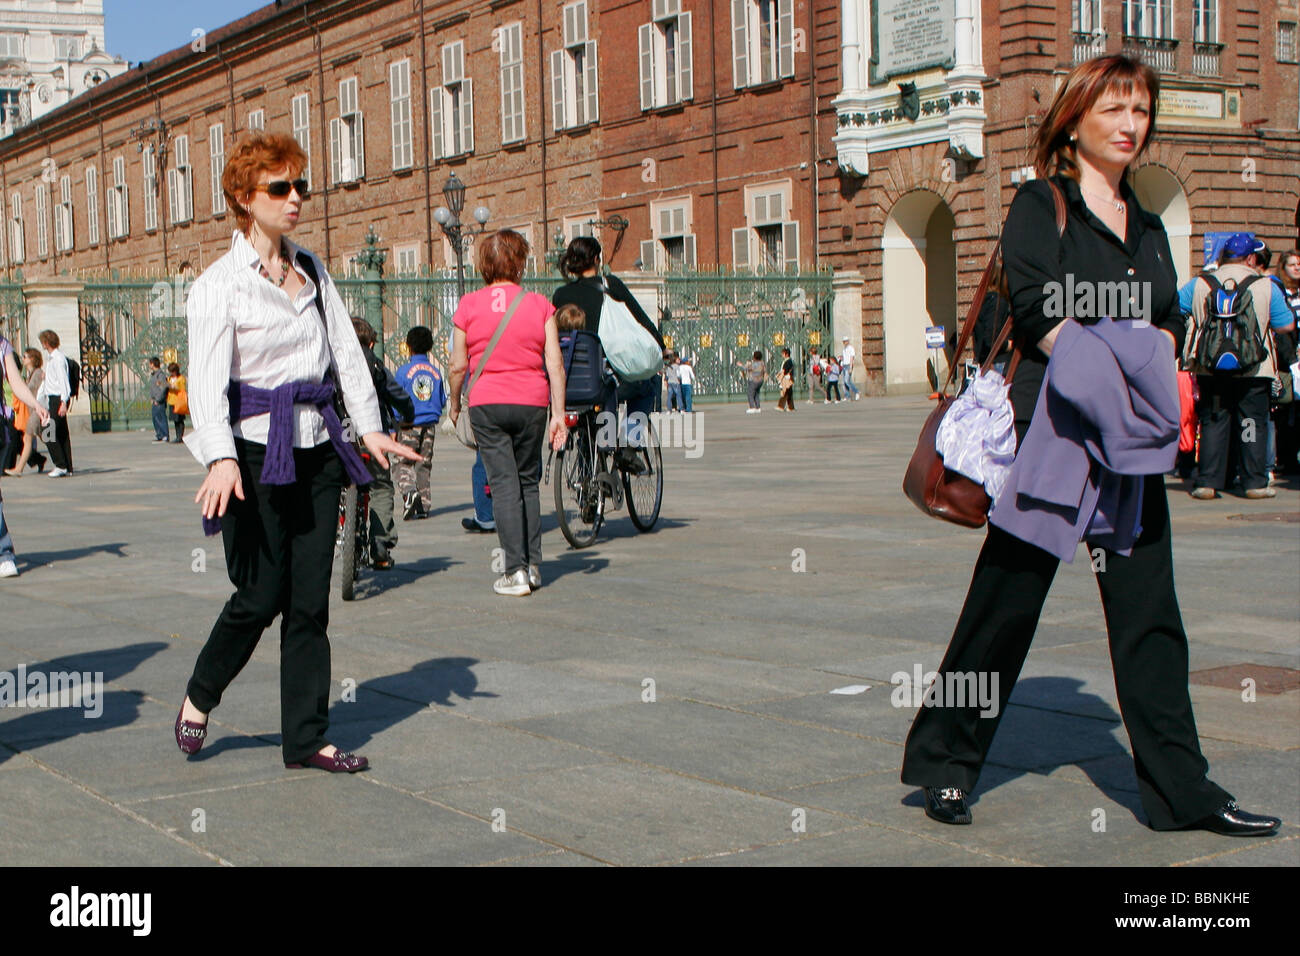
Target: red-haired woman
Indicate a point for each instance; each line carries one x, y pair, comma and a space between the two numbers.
268, 337
522, 377
1098, 126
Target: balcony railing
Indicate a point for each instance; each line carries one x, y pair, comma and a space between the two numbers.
1155, 52
1088, 45
1205, 58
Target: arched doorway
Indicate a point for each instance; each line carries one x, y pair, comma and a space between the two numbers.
1160, 192
919, 287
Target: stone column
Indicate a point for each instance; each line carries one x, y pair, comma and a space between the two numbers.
847, 313
645, 289
52, 304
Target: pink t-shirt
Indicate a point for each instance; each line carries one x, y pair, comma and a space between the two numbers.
516, 371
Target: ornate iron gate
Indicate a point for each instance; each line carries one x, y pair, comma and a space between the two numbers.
720, 319
123, 323
13, 313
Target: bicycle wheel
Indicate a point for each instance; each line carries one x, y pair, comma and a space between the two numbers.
645, 492
579, 503
348, 542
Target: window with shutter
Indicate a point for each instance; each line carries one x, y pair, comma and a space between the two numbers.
151, 187
92, 205
664, 54
512, 83
650, 255
302, 130
42, 226
16, 232
762, 41
180, 183
575, 101
347, 136
217, 165
740, 257
399, 83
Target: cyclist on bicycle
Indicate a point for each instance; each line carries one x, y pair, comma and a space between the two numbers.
586, 289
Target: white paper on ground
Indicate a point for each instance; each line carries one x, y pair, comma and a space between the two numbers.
851, 689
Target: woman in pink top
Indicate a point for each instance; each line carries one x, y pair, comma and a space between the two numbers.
508, 402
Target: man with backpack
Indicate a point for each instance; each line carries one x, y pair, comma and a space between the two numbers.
57, 392
1231, 352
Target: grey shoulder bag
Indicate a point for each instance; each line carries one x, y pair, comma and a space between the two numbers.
464, 431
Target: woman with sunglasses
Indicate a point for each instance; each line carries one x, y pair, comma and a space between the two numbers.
269, 342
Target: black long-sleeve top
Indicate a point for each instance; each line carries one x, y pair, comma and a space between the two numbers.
586, 294
1034, 256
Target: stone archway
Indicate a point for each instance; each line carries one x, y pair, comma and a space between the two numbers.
919, 287
1160, 192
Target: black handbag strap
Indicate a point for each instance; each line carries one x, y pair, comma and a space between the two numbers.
309, 267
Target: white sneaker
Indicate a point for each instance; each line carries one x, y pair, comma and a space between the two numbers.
58, 472
8, 569
857, 398
514, 584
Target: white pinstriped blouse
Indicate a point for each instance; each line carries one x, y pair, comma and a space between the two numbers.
243, 328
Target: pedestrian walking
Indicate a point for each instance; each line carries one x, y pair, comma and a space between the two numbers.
816, 385
55, 395
394, 404
1234, 403
26, 419
848, 359
512, 383
832, 379
424, 384
178, 400
8, 559
686, 375
786, 402
484, 520
1286, 419
673, 379
1114, 378
755, 375
269, 336
158, 398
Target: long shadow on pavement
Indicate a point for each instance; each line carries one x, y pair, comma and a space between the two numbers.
32, 559
1050, 724
403, 573
80, 713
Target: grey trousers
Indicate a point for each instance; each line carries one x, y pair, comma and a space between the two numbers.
510, 439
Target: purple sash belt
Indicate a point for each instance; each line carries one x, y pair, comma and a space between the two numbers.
278, 467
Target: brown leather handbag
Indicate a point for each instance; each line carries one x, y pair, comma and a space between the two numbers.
939, 491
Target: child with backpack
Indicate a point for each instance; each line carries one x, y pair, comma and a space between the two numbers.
178, 400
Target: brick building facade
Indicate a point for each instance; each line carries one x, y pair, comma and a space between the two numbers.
753, 133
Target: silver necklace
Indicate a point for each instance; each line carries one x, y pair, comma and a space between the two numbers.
1117, 203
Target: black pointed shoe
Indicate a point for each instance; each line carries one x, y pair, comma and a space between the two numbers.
1231, 820
947, 805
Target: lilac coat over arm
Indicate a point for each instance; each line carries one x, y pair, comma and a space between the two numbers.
1107, 415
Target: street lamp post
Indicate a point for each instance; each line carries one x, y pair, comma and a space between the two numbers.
155, 132
460, 236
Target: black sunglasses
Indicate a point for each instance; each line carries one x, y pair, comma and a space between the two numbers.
279, 189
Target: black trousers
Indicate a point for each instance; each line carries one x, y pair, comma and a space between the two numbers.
947, 746
61, 447
279, 545
510, 439
1233, 412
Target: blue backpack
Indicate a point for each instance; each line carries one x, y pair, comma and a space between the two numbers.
584, 368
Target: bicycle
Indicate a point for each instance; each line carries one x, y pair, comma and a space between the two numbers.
352, 543
585, 482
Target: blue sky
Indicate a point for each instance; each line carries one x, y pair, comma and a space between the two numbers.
139, 30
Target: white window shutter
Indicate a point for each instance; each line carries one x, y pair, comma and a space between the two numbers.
740, 42
359, 148
467, 116
688, 252
593, 97
785, 38
111, 212
172, 193
182, 151
646, 57
790, 246
649, 253
436, 97
336, 160
557, 89
658, 9
685, 75
740, 248
124, 213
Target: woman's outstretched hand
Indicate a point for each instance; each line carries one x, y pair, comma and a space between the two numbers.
381, 446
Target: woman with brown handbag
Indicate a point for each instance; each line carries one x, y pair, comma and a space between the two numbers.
1099, 124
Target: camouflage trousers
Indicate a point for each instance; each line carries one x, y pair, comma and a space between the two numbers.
413, 477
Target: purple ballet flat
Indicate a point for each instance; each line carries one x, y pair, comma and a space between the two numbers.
189, 735
339, 763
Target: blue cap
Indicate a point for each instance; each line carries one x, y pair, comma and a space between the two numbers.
1242, 244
